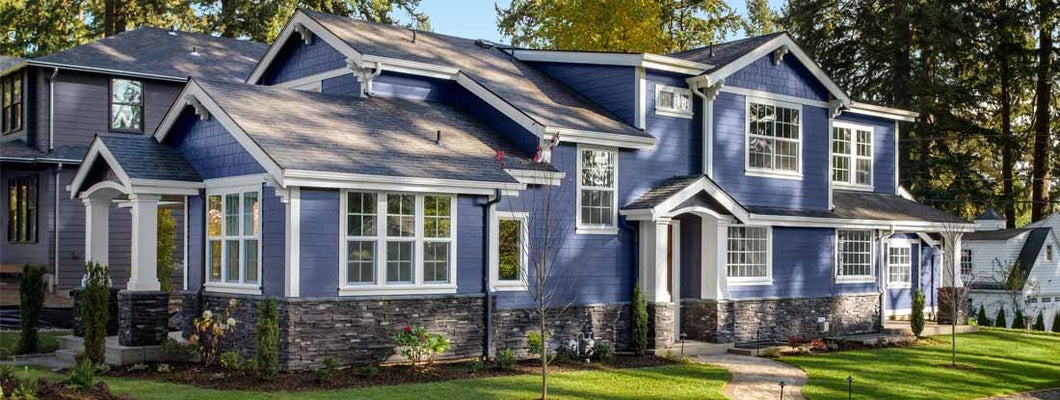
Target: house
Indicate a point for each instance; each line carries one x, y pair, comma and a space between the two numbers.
53, 106
991, 255
368, 176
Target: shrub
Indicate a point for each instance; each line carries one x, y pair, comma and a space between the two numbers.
26, 387
1039, 323
366, 371
268, 334
175, 351
474, 366
640, 321
83, 375
604, 353
231, 360
769, 352
7, 373
999, 320
417, 345
536, 344
323, 373
916, 318
505, 358
209, 330
1017, 320
163, 369
1056, 322
981, 317
138, 367
166, 248
95, 310
31, 300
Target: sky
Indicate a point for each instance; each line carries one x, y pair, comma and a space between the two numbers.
476, 19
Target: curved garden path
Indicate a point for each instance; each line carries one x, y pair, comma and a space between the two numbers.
1049, 394
756, 378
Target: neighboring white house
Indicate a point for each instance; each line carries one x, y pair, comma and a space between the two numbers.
988, 254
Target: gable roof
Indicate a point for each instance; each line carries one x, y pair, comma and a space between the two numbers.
545, 103
998, 234
162, 54
142, 157
725, 53
1031, 248
1051, 221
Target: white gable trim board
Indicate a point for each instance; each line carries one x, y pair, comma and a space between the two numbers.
641, 60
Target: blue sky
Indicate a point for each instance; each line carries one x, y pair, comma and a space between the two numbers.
477, 19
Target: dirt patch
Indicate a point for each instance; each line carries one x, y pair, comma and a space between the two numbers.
355, 377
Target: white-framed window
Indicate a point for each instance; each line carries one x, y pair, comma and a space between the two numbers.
509, 250
233, 239
1048, 252
966, 262
748, 255
673, 101
597, 190
774, 138
851, 154
854, 256
899, 265
126, 105
397, 243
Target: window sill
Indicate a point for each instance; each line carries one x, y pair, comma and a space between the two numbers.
219, 287
750, 281
597, 230
797, 176
847, 186
673, 113
855, 279
396, 290
900, 286
509, 286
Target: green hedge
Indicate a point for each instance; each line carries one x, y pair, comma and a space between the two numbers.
95, 304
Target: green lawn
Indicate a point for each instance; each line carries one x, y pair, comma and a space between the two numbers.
669, 382
49, 341
1004, 362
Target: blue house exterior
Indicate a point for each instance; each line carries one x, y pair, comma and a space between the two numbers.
367, 178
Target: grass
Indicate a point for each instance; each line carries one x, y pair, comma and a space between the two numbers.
668, 382
49, 341
1000, 362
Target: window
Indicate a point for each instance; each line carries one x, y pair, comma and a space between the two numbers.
774, 135
22, 209
233, 234
397, 241
851, 154
900, 265
597, 187
11, 110
509, 252
748, 253
126, 105
1048, 252
673, 101
854, 256
966, 262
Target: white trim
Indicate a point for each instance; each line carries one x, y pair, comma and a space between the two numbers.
665, 209
406, 67
773, 96
187, 236
293, 242
882, 112
221, 287
639, 60
603, 138
814, 222
772, 172
341, 180
899, 243
749, 281
241, 181
315, 78
306, 22
640, 92
591, 229
106, 71
494, 251
852, 156
316, 87
675, 274
531, 177
252, 186
677, 93
95, 150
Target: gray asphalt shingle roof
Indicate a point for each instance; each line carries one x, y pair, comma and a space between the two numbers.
142, 157
725, 53
661, 193
376, 136
529, 90
19, 150
999, 234
8, 62
157, 51
1031, 248
990, 214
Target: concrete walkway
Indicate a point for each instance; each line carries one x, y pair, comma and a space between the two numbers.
1050, 394
756, 378
46, 360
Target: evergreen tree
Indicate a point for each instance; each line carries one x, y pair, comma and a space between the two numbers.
916, 318
640, 321
1056, 322
1000, 321
760, 18
1017, 320
981, 317
1039, 323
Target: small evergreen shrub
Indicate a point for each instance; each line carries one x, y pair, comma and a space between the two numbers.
916, 318
604, 353
981, 317
268, 335
1056, 322
83, 375
640, 321
366, 371
231, 361
1039, 323
1017, 320
537, 345
505, 358
323, 373
31, 299
173, 350
417, 345
95, 310
1000, 321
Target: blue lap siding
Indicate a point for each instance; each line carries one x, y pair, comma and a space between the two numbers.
196, 242
883, 146
273, 242
470, 249
319, 265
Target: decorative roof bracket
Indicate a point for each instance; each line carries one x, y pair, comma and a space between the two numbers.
307, 35
778, 54
200, 110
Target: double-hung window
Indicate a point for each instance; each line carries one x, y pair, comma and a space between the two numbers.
22, 209
774, 137
126, 105
509, 250
397, 241
966, 262
233, 237
899, 265
851, 154
673, 101
11, 107
597, 189
854, 256
748, 254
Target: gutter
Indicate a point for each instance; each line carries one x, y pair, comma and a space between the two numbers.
486, 289
109, 71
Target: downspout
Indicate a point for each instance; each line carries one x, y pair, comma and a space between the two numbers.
55, 227
51, 109
881, 288
488, 208
701, 87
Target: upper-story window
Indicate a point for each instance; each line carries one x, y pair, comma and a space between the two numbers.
1048, 252
11, 114
774, 137
126, 105
966, 262
22, 209
673, 101
233, 234
851, 154
597, 189
854, 256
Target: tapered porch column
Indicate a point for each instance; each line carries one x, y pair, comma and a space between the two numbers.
143, 275
97, 230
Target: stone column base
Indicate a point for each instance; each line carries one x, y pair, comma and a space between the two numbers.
660, 325
143, 318
947, 296
112, 319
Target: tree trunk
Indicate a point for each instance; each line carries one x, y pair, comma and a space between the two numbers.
544, 355
900, 81
228, 18
113, 17
1040, 206
1008, 162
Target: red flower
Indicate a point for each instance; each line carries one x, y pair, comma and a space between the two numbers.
408, 329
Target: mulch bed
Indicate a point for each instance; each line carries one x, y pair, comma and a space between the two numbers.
60, 391
216, 378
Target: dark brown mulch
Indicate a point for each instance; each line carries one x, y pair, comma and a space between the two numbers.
216, 378
61, 391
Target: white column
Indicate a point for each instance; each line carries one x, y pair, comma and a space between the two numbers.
97, 230
951, 269
292, 263
143, 276
653, 262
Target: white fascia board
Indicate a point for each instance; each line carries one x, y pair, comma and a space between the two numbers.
299, 18
602, 138
811, 222
337, 180
883, 112
314, 78
500, 105
651, 61
531, 177
107, 71
408, 67
703, 185
96, 150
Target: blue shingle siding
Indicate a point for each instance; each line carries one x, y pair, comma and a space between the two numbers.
730, 140
345, 85
298, 60
273, 242
883, 157
611, 87
788, 78
196, 241
319, 268
210, 148
470, 251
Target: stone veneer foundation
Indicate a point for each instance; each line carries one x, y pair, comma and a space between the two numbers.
143, 318
742, 321
360, 330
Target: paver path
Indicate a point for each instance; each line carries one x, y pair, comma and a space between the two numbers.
756, 378
1051, 394
46, 360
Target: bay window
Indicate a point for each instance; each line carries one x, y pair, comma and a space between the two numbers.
597, 190
233, 237
854, 256
774, 137
851, 154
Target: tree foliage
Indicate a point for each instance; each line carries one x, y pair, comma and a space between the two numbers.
761, 19
167, 248
1018, 320
1000, 321
32, 286
1039, 322
981, 318
916, 318
640, 321
95, 309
